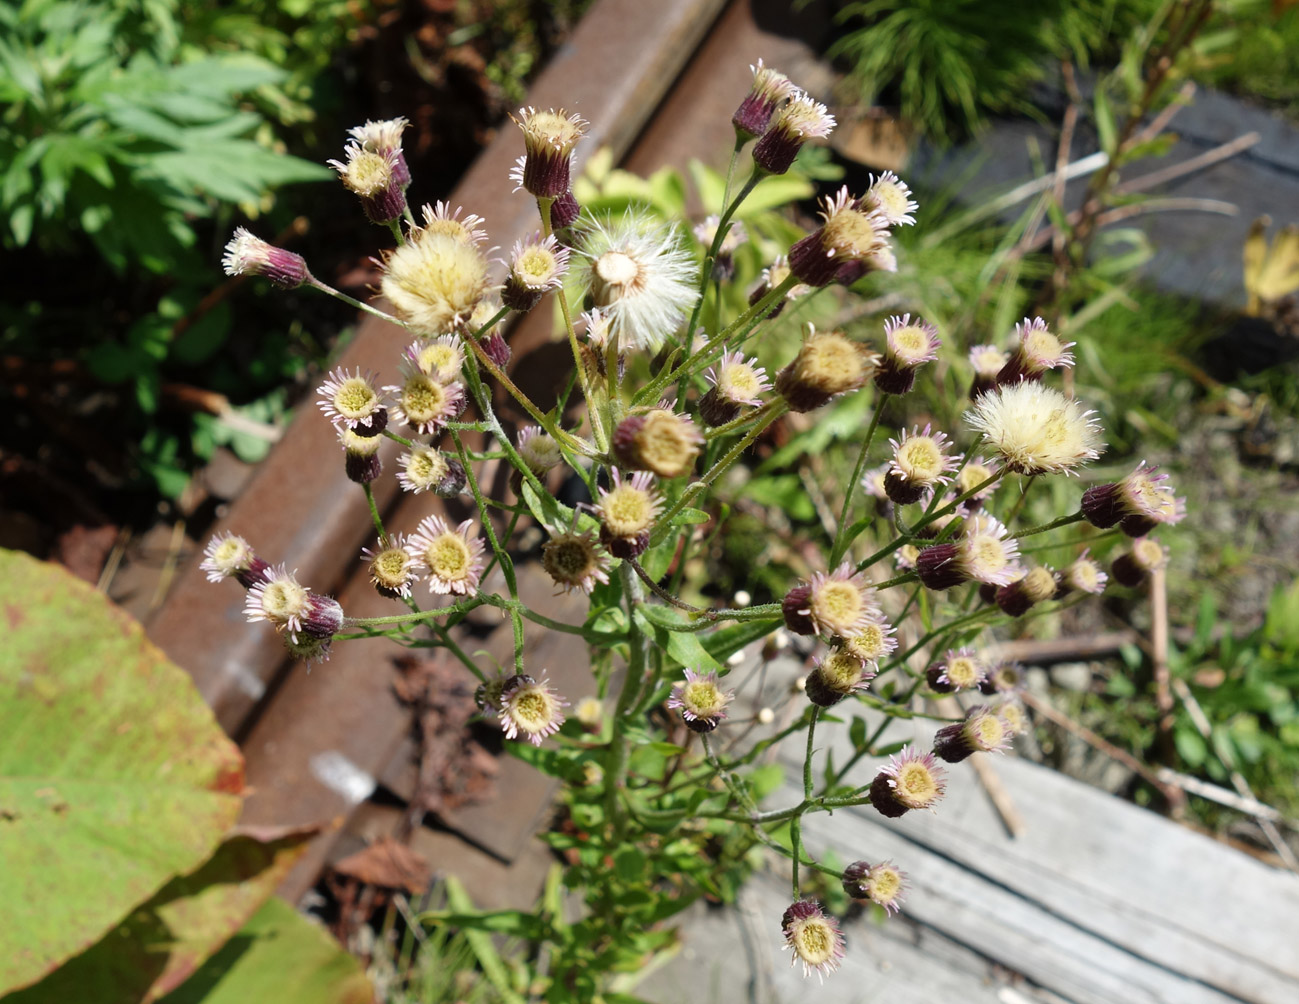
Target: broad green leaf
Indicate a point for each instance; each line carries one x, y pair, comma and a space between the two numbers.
114, 776
278, 956
164, 941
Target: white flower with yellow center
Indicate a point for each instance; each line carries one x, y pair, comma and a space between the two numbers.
441, 357
452, 560
891, 196
434, 281
529, 709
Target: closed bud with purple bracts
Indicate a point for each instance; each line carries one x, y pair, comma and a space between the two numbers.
549, 137
249, 255
797, 121
360, 455
495, 348
770, 90
796, 610
564, 211
910, 780
323, 617
1038, 585
1133, 566
983, 730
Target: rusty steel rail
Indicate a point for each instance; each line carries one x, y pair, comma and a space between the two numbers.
657, 82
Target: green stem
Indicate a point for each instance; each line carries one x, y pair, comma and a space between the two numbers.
1062, 521
841, 540
339, 295
374, 512
616, 771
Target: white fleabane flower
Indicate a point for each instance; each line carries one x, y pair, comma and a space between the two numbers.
1036, 429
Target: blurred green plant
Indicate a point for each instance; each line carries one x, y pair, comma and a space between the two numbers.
126, 127
947, 64
1251, 47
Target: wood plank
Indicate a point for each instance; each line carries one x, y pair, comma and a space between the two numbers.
1111, 889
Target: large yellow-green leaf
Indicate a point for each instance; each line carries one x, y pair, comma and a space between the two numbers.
278, 957
114, 776
167, 938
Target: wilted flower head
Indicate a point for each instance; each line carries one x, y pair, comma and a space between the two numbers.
1134, 565
772, 276
873, 642
435, 279
983, 730
1037, 585
840, 673
1036, 350
736, 382
976, 472
538, 449
536, 265
910, 780
987, 361
441, 357
958, 669
384, 137
529, 709
851, 233
423, 402
425, 469
828, 364
575, 561
660, 441
640, 275
890, 195
1036, 429
351, 400
627, 510
1138, 503
770, 90
700, 700
883, 884
249, 255
392, 569
549, 137
919, 465
228, 556
814, 937
1084, 575
794, 123
908, 345
372, 175
452, 560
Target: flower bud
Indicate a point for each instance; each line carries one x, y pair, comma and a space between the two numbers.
1138, 503
908, 346
1133, 567
813, 936
1036, 351
836, 676
797, 121
770, 90
384, 138
573, 561
883, 884
249, 255
360, 455
549, 138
